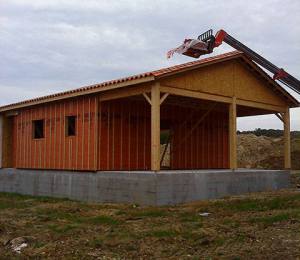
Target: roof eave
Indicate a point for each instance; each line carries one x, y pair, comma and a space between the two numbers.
62, 96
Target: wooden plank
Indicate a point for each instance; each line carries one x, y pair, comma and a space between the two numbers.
280, 117
254, 104
232, 135
287, 140
194, 94
163, 98
155, 127
147, 98
123, 93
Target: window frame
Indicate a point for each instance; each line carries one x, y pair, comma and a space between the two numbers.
67, 124
34, 129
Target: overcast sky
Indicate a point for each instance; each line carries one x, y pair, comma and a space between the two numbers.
48, 46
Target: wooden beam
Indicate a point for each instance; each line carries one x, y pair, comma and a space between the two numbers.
232, 135
287, 140
163, 98
123, 93
254, 104
155, 127
147, 98
194, 94
279, 115
222, 99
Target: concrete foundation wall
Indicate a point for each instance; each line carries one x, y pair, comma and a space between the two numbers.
145, 188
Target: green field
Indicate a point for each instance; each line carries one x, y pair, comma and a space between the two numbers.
257, 226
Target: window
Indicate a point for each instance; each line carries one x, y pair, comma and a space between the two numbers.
70, 125
38, 129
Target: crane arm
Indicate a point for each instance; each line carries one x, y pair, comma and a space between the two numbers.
208, 42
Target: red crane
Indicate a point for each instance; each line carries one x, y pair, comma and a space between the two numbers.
206, 42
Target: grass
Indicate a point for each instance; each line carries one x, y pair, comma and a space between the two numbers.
270, 220
237, 228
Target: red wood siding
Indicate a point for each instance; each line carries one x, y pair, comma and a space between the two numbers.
116, 135
56, 150
124, 135
206, 147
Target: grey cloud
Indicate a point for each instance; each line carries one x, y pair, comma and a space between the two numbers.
51, 46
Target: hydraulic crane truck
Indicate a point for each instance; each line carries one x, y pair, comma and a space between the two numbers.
206, 42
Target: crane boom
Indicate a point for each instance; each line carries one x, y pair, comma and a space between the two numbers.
206, 42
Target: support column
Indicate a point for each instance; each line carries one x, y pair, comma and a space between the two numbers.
287, 139
155, 127
232, 135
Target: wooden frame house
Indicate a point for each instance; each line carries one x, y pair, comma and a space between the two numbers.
116, 125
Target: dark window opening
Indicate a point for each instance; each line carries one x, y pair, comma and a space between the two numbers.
165, 144
71, 125
38, 129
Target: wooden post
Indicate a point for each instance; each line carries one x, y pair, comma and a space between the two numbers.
287, 139
155, 127
232, 135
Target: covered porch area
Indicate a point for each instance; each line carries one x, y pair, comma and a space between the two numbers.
200, 129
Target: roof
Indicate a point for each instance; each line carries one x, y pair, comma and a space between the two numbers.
143, 77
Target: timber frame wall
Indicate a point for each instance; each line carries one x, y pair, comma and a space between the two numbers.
115, 132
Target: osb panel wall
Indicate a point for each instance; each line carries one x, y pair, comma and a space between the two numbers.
228, 78
56, 150
124, 135
204, 147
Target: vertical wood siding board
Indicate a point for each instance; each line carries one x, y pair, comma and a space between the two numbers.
121, 135
144, 135
77, 134
18, 139
21, 142
29, 138
224, 130
185, 143
95, 141
220, 141
104, 135
113, 144
54, 137
118, 150
100, 125
50, 136
137, 136
108, 137
82, 134
46, 153
192, 143
89, 135
196, 147
59, 136
34, 152
129, 139
14, 143
25, 138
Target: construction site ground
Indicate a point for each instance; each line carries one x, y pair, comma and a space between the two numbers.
254, 226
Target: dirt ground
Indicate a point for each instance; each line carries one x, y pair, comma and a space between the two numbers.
256, 226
